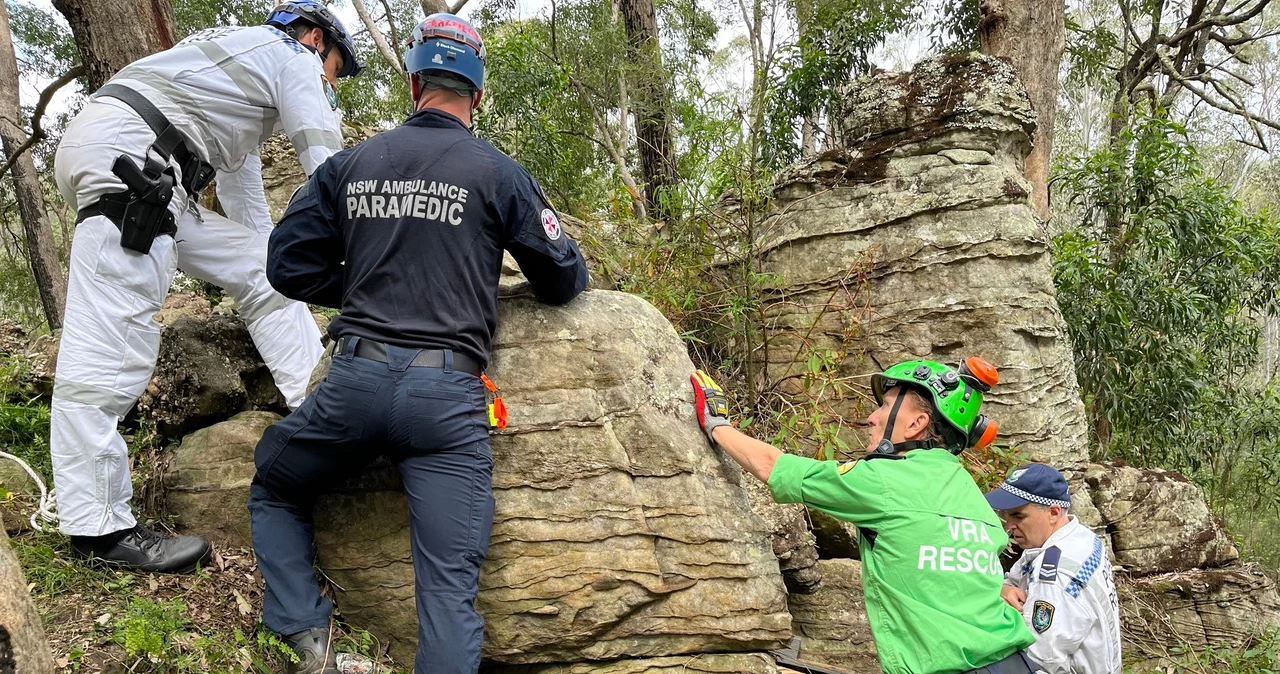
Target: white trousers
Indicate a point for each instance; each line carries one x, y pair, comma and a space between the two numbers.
110, 339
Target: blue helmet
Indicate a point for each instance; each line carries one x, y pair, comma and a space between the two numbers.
316, 13
448, 43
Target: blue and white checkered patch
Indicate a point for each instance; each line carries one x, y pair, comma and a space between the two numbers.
1087, 570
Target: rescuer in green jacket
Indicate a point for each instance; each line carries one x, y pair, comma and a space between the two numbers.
930, 544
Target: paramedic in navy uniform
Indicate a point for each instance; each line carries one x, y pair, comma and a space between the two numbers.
404, 233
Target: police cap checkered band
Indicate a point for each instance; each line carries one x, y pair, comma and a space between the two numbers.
1033, 483
1028, 496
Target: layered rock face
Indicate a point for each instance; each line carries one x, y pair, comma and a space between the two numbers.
915, 240
832, 622
619, 532
1195, 609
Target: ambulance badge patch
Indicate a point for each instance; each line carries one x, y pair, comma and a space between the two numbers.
1041, 616
550, 224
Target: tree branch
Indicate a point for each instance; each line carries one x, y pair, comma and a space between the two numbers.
37, 131
457, 6
378, 39
391, 23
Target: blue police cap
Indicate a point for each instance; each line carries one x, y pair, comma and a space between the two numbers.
1033, 483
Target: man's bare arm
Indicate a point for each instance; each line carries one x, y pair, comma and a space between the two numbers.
758, 458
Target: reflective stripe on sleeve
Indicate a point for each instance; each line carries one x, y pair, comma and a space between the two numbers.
308, 138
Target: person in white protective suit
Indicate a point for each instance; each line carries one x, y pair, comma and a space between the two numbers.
132, 164
1063, 582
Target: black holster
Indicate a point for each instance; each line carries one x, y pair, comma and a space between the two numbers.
144, 207
141, 212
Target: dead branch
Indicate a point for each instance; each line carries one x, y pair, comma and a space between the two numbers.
37, 132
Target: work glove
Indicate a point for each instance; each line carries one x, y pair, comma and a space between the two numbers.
710, 403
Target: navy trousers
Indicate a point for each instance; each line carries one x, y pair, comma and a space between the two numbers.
433, 422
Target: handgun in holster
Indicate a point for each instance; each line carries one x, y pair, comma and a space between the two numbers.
142, 211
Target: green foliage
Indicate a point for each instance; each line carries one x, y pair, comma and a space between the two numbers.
1257, 654
43, 43
24, 432
534, 112
148, 628
196, 15
47, 564
836, 39
1161, 283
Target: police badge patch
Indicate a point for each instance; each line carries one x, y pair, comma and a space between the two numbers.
1041, 616
329, 93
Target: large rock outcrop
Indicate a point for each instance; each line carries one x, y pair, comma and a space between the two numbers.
915, 239
1158, 521
1194, 609
619, 532
207, 484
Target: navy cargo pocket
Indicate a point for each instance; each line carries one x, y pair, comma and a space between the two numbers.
339, 408
445, 413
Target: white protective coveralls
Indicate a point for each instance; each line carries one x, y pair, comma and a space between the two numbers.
1072, 606
226, 90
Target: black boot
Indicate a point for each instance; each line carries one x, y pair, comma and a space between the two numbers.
145, 550
315, 653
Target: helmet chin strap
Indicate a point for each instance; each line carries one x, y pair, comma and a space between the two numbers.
888, 446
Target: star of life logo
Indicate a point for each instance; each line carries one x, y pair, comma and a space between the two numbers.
550, 224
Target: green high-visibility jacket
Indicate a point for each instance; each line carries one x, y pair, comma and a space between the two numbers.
930, 549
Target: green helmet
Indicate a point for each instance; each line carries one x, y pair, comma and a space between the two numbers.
956, 396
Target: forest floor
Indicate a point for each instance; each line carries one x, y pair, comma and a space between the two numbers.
99, 619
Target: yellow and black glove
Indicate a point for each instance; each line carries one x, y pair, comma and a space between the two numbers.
710, 403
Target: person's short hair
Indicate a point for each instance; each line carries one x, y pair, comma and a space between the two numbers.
921, 403
300, 26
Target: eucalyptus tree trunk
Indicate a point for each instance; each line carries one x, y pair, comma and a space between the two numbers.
1031, 34
50, 283
23, 646
651, 103
111, 34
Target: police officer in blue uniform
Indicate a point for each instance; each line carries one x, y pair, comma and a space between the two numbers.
404, 233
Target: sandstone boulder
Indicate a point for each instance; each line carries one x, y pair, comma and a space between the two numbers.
915, 239
836, 538
793, 542
1194, 609
1158, 520
207, 483
832, 622
735, 663
619, 532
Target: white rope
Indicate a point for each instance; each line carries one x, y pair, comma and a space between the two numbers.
47, 508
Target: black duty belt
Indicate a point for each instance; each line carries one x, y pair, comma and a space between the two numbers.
1018, 663
196, 173
367, 348
114, 210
